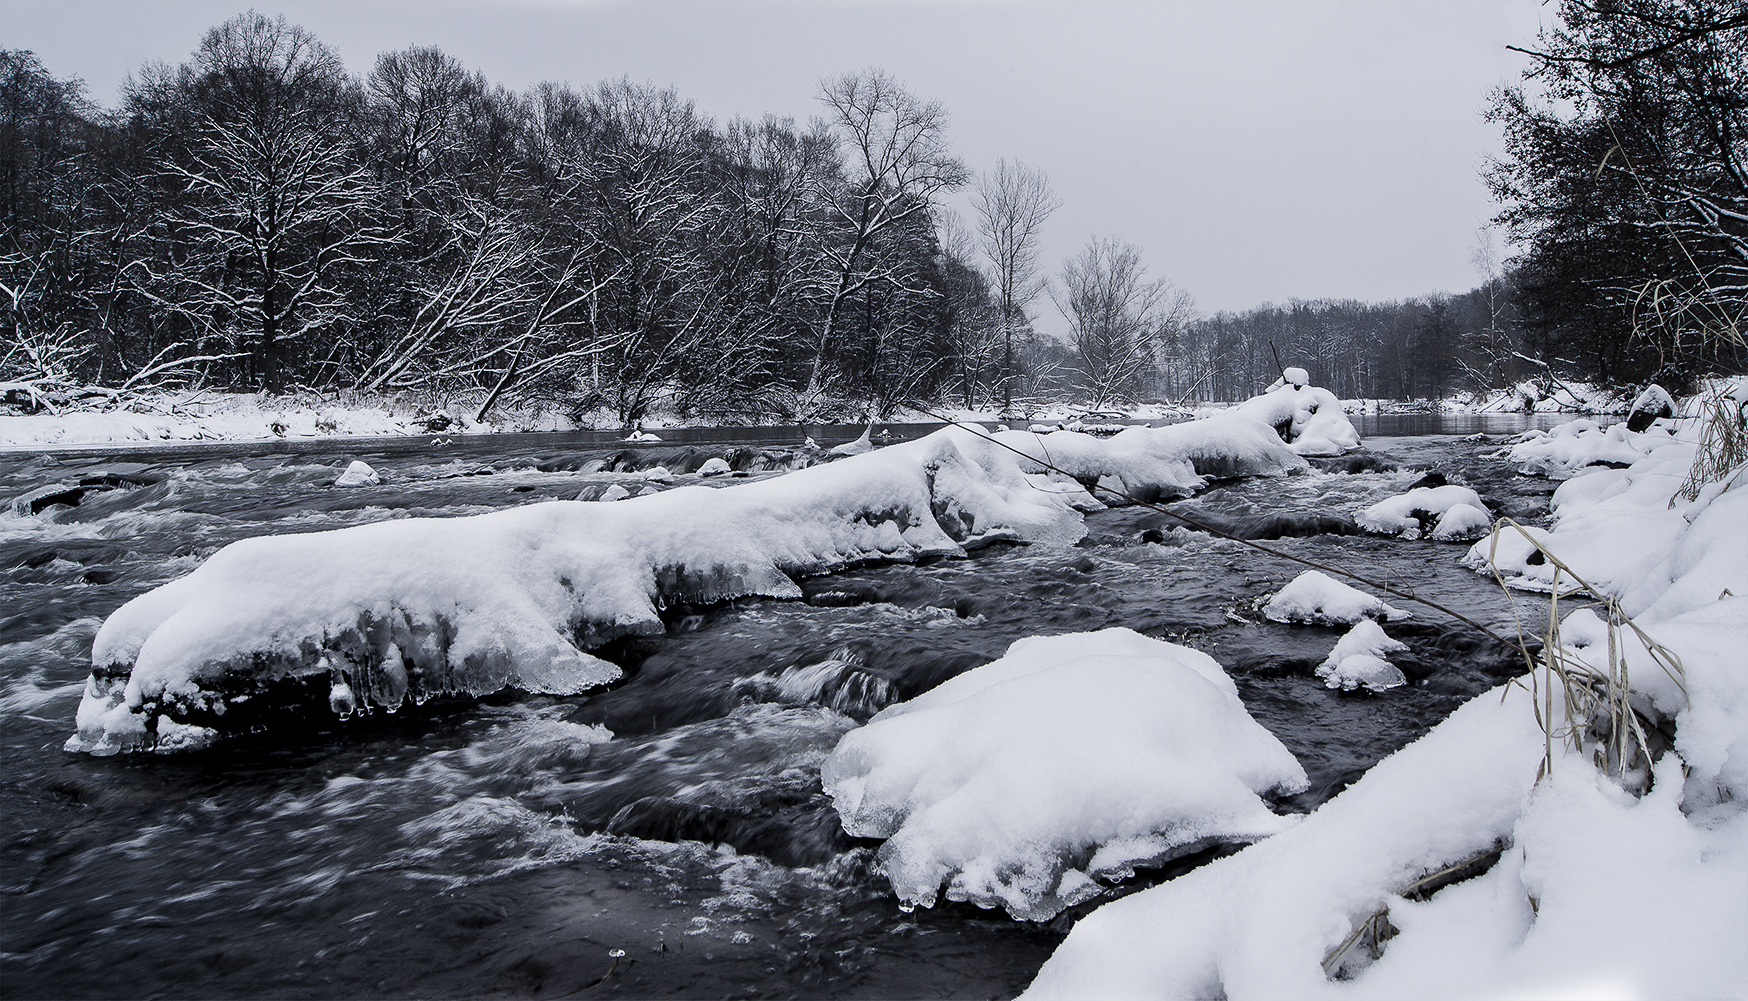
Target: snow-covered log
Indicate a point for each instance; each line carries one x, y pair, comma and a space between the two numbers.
370, 616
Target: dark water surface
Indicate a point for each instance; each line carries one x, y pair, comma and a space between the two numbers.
507, 847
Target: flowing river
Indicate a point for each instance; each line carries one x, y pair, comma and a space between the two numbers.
504, 847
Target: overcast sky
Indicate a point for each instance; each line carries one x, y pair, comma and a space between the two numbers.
1254, 151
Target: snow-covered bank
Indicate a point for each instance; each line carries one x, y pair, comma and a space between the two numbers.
1599, 887
200, 416
1071, 760
369, 616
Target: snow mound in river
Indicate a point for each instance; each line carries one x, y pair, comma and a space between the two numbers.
1315, 598
1024, 782
419, 607
1308, 418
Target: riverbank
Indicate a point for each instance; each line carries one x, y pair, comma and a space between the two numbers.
206, 416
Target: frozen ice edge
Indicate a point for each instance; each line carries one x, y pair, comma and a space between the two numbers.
417, 608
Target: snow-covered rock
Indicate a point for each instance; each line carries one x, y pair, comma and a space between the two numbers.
1652, 404
1308, 418
715, 466
1409, 514
1315, 598
1072, 759
1574, 445
1359, 660
358, 474
641, 435
616, 492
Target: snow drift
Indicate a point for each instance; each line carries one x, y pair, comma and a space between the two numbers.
1072, 759
371, 616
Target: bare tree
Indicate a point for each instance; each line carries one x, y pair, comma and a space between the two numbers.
1012, 203
896, 147
266, 200
1115, 316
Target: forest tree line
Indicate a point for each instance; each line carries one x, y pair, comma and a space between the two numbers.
259, 217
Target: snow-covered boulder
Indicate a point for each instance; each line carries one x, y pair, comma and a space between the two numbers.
1315, 598
358, 474
615, 492
715, 466
1451, 511
1308, 418
1072, 759
418, 607
1359, 660
1653, 404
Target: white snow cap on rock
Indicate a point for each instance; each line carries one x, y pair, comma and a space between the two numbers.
1315, 598
715, 466
1308, 418
1072, 758
358, 474
1358, 660
1458, 511
1297, 377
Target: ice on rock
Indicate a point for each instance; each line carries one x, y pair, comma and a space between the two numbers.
1072, 759
615, 492
358, 474
1358, 660
1409, 514
1308, 418
1462, 522
1315, 598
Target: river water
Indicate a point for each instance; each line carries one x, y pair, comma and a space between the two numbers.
505, 847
